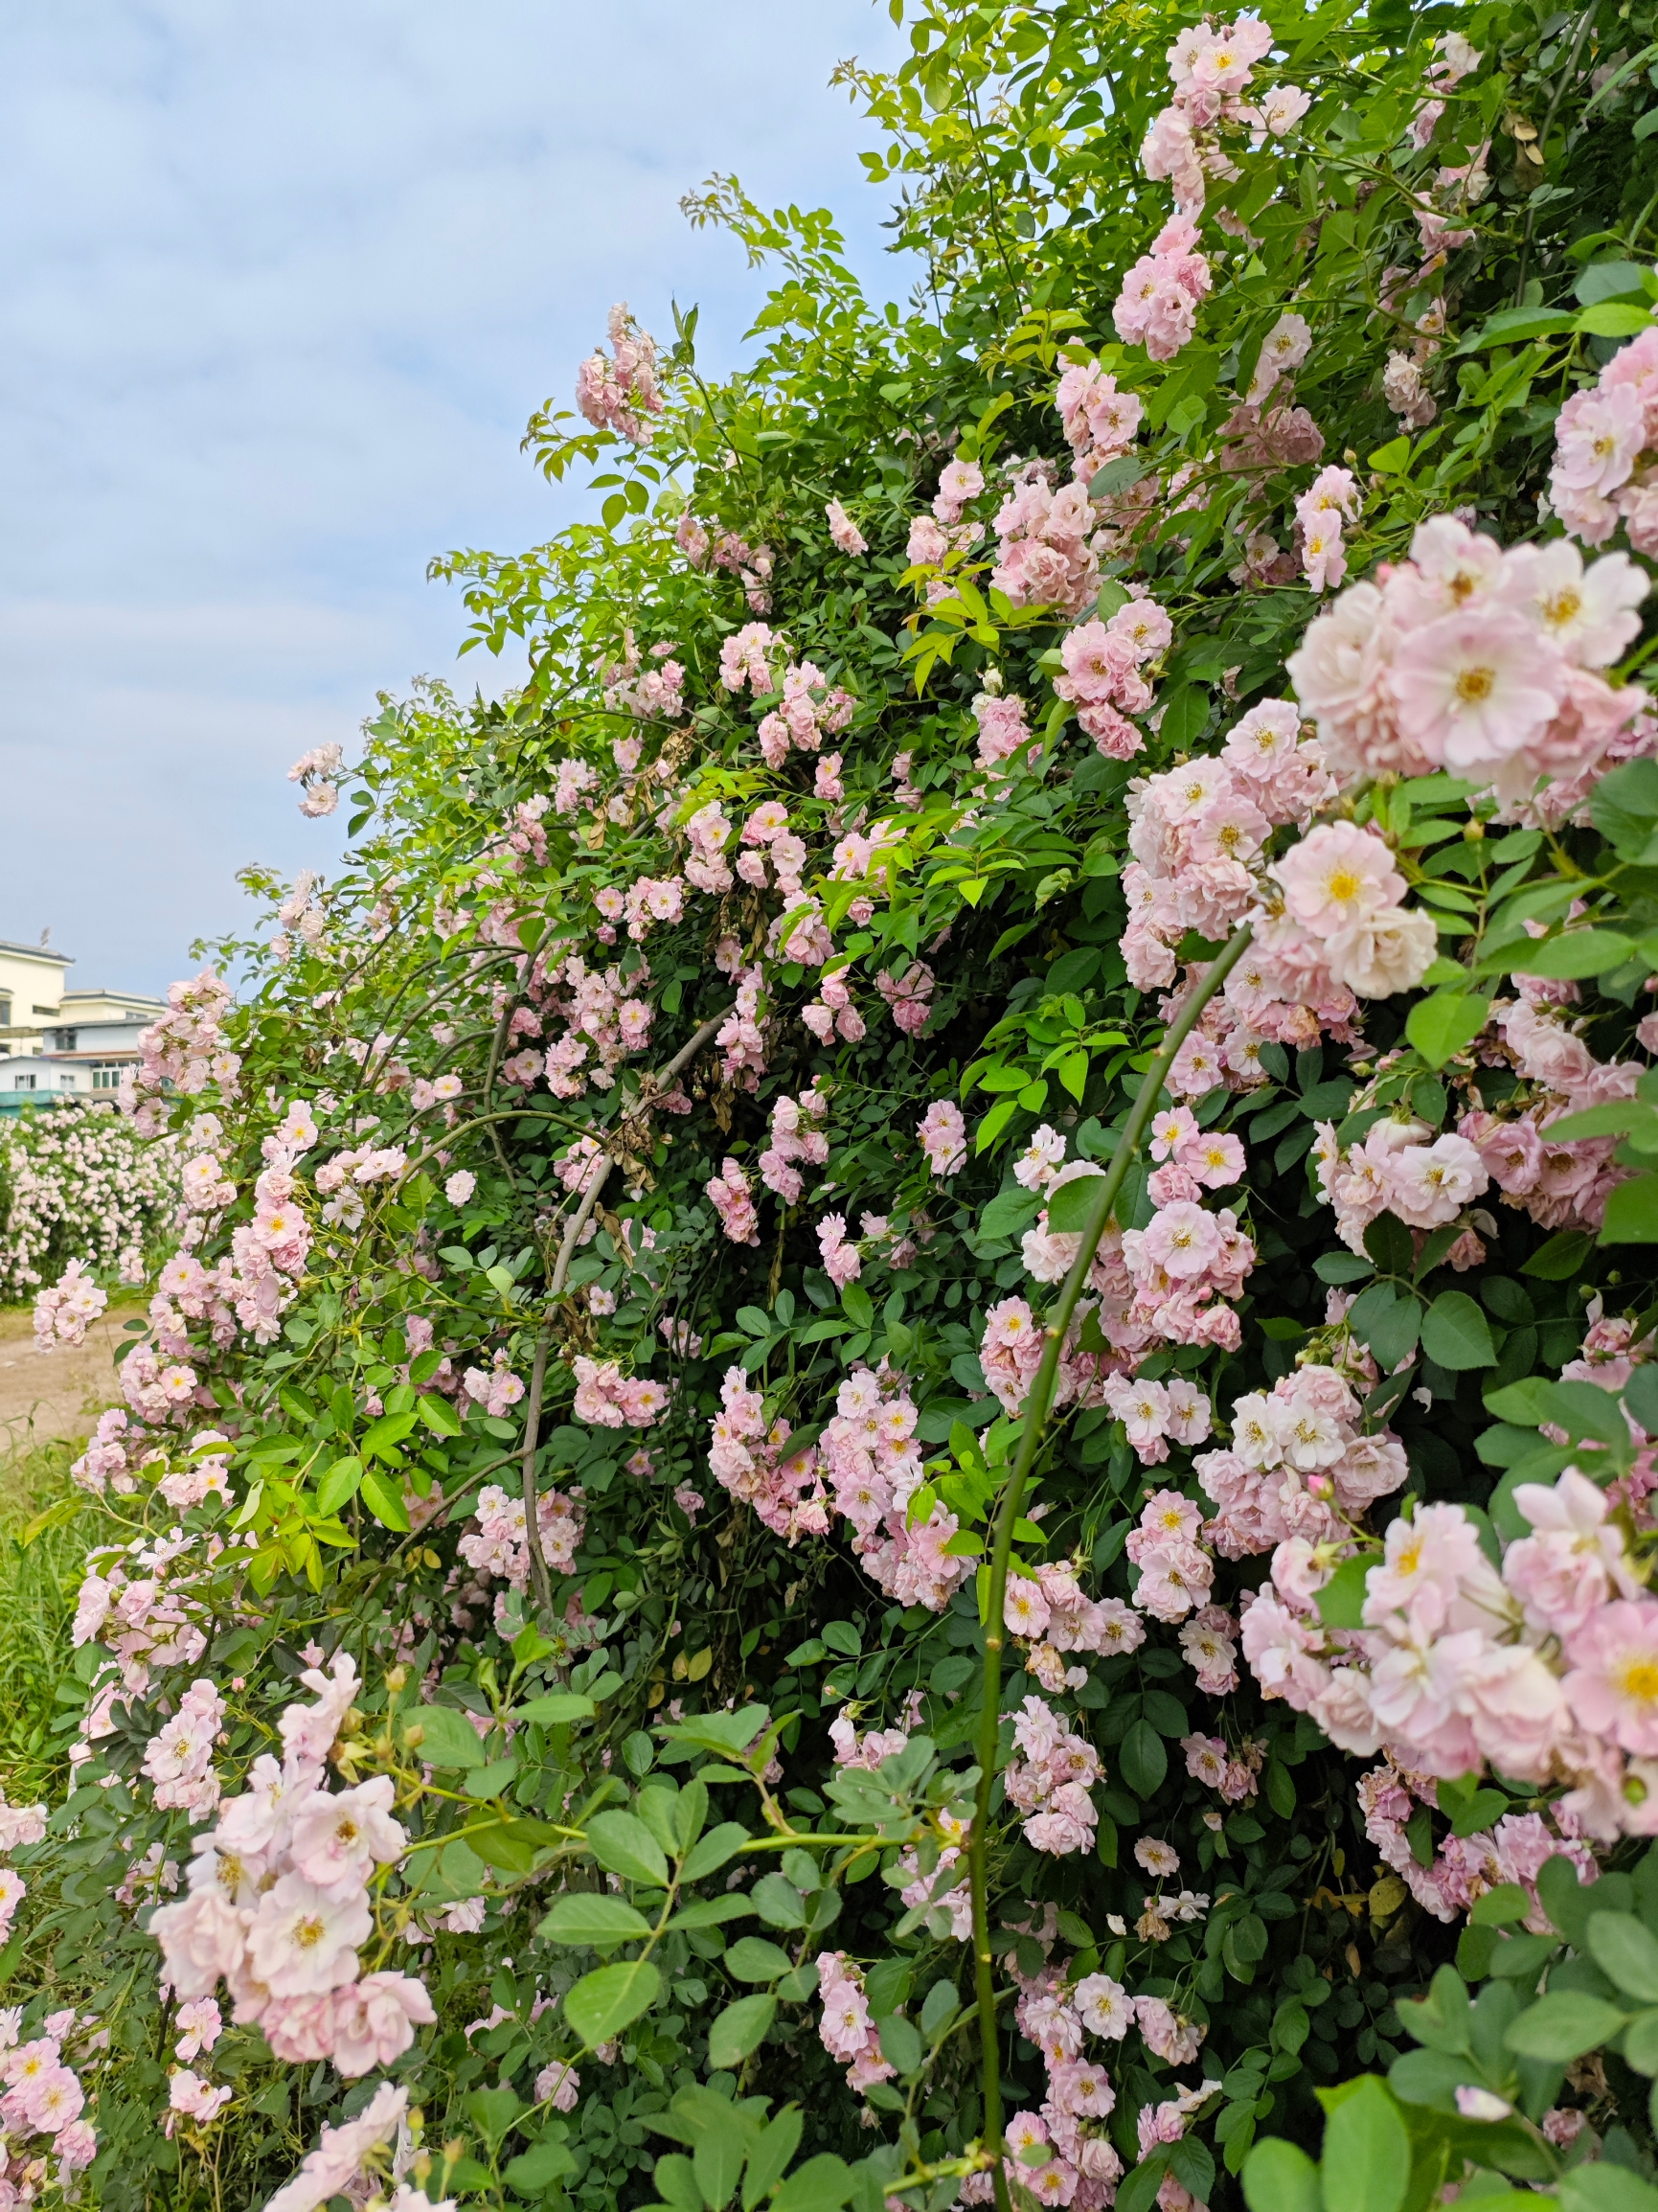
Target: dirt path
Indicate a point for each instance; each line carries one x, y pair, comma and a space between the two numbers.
58, 1393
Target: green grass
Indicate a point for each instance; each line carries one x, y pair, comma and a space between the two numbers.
38, 1582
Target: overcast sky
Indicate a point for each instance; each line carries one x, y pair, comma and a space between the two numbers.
284, 281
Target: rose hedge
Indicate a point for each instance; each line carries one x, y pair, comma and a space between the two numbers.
1069, 897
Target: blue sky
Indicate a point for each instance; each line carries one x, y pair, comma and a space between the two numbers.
284, 278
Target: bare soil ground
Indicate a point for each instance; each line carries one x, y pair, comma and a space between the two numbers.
60, 1393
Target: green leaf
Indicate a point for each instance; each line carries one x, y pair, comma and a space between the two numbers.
1454, 1334
1578, 953
1623, 1947
386, 1434
1367, 2153
1604, 2187
1388, 1323
752, 1959
778, 1902
722, 2146
1623, 806
384, 1499
1277, 2176
1141, 1760
740, 2028
439, 1415
602, 2005
446, 1738
591, 1918
534, 2171
1341, 1601
1441, 1026
623, 1843
556, 1709
1498, 1906
1071, 1204
712, 1911
714, 1849
339, 1486
1641, 2041
823, 2184
1563, 2026
1011, 1213
1632, 1212
1561, 1258
1615, 319
771, 2151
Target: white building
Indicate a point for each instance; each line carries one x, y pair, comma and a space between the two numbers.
56, 1044
30, 994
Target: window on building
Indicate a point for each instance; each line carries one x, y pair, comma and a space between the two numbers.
66, 1082
49, 1010
23, 1082
5, 1010
106, 1079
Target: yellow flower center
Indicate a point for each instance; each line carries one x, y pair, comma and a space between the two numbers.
1342, 886
1639, 1680
1474, 686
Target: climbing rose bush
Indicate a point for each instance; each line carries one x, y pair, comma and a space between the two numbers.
81, 1194
895, 1444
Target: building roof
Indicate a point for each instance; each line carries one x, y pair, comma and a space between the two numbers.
37, 952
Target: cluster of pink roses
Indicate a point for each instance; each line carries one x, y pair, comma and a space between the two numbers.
650, 693
1234, 1774
741, 1036
1103, 661
1464, 1867
1605, 448
1052, 1617
1099, 421
1546, 1667
1198, 834
1402, 1168
184, 1047
1211, 66
844, 532
500, 1545
1045, 556
942, 1131
1152, 1413
138, 1603
809, 708
728, 1192
42, 2097
749, 1457
872, 1461
796, 1134
1161, 293
1003, 728
1297, 1463
603, 1010
1470, 658
846, 2030
317, 774
178, 1759
63, 1314
609, 1399
622, 394
80, 1177
1062, 2154
1050, 1782
278, 1901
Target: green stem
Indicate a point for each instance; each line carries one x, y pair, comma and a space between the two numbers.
1036, 1408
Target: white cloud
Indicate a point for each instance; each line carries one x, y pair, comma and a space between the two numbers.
284, 283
